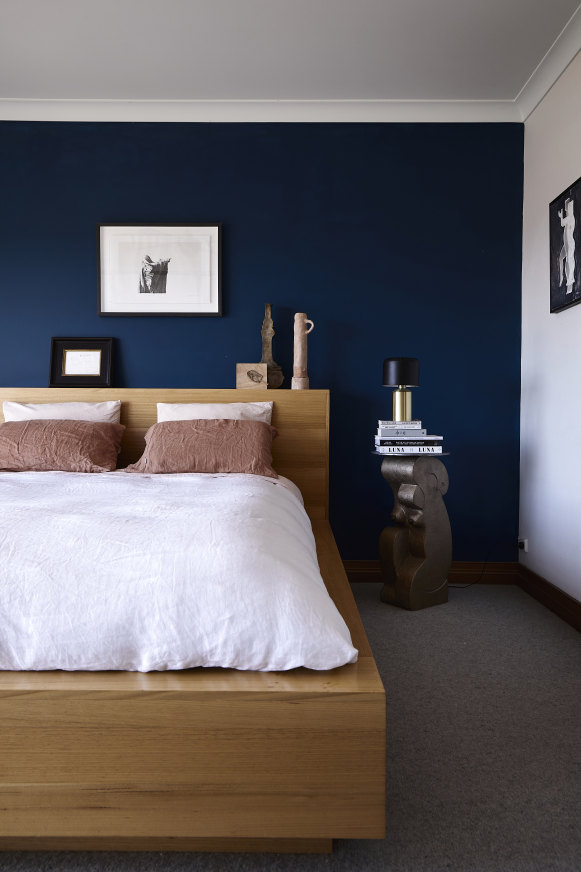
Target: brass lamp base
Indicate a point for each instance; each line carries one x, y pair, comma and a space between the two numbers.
402, 404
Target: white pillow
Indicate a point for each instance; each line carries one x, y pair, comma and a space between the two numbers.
103, 412
225, 411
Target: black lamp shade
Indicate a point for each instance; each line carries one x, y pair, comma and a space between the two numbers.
401, 371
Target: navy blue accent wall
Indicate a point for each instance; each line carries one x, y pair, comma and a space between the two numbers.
396, 239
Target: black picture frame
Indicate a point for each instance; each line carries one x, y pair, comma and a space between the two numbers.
565, 248
59, 348
159, 270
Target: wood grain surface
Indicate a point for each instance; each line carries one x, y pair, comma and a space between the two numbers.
102, 760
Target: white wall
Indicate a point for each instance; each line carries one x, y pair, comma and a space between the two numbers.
550, 489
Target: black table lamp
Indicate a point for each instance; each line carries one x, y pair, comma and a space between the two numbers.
401, 373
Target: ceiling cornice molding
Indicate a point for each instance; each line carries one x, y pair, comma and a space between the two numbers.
354, 111
564, 49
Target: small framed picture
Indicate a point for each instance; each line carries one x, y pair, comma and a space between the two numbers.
81, 362
161, 269
565, 248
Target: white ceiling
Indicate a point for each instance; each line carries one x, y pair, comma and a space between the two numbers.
344, 51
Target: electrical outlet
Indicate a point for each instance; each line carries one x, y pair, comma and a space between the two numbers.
523, 544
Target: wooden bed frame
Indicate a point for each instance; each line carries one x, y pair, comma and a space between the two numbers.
204, 759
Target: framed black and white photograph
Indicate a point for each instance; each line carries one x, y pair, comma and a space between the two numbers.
565, 248
161, 269
81, 362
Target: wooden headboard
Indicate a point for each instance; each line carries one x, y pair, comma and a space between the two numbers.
301, 451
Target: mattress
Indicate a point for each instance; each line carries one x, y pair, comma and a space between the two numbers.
155, 572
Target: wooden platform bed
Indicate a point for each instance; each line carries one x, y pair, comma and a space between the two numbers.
204, 759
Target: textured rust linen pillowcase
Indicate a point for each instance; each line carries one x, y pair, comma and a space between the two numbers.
66, 446
209, 445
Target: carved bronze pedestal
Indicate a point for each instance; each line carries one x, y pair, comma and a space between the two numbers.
416, 553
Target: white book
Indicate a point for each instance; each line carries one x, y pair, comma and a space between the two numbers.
389, 433
408, 449
401, 425
407, 440
420, 438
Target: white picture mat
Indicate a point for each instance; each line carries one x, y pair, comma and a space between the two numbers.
81, 361
192, 284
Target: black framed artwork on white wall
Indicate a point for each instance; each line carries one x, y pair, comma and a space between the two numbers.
565, 248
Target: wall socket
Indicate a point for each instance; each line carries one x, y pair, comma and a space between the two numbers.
523, 544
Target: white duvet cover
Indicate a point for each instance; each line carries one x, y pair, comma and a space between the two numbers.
150, 572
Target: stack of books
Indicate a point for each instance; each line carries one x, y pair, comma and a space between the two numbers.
405, 437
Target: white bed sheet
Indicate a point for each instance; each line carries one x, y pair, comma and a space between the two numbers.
154, 572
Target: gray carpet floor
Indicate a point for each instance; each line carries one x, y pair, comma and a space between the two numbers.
484, 748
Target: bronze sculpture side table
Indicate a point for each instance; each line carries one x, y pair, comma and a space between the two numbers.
416, 553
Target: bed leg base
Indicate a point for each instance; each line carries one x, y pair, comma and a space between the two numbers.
236, 846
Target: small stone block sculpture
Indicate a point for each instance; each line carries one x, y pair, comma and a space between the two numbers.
251, 376
300, 380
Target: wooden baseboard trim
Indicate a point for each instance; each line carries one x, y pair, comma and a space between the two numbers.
552, 597
461, 572
473, 572
470, 572
362, 570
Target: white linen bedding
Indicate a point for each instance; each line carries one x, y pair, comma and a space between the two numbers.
155, 572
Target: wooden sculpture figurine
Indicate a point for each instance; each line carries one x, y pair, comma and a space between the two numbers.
300, 381
416, 553
275, 375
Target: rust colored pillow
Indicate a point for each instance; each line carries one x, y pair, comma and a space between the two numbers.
67, 446
208, 446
